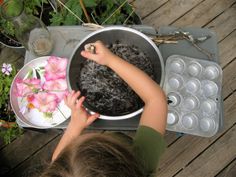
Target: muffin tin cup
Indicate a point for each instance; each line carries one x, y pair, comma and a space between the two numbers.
193, 88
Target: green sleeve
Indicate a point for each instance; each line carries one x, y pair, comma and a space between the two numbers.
148, 145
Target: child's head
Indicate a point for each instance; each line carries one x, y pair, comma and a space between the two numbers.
99, 155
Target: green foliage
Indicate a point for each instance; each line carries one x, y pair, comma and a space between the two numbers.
5, 85
7, 27
64, 17
6, 114
99, 9
106, 8
30, 6
9, 134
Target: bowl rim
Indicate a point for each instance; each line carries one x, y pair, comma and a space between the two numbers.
122, 28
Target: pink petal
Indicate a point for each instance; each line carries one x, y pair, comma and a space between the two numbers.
55, 68
27, 86
58, 87
55, 85
45, 102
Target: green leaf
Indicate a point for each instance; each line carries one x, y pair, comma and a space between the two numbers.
56, 19
70, 19
90, 3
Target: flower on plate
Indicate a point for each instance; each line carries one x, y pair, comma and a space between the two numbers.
44, 92
45, 102
58, 87
6, 69
55, 68
27, 86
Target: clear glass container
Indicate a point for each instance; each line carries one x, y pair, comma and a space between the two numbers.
30, 31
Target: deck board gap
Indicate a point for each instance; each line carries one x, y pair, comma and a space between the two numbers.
35, 152
233, 4
154, 10
178, 172
227, 35
225, 167
233, 91
228, 63
219, 15
173, 142
203, 26
187, 164
187, 12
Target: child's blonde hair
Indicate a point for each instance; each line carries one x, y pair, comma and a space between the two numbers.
98, 156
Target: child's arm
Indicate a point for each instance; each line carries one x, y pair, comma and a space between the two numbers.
155, 109
80, 119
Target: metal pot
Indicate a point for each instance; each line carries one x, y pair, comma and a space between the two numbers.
110, 35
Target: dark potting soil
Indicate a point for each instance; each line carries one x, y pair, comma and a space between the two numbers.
105, 91
9, 41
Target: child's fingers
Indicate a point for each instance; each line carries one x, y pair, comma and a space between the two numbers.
70, 95
89, 55
65, 100
79, 102
74, 97
67, 97
92, 118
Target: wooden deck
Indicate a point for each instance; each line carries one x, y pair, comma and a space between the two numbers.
186, 155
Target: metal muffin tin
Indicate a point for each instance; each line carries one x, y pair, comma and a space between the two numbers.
193, 87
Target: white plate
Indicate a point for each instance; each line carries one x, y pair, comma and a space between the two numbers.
34, 118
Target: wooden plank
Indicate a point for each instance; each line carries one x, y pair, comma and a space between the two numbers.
203, 13
37, 162
227, 49
225, 23
170, 137
24, 146
214, 158
229, 171
229, 79
144, 8
169, 12
188, 147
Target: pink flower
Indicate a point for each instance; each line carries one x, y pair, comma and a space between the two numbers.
27, 86
45, 102
58, 87
55, 68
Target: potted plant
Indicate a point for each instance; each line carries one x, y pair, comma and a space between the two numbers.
7, 30
101, 12
8, 127
71, 12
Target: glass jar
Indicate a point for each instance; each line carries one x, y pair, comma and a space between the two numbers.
30, 31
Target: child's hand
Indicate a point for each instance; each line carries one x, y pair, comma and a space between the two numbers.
80, 118
102, 54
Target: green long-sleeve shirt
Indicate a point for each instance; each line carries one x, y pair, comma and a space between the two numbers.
148, 145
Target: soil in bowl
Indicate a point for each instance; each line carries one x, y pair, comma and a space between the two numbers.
105, 91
